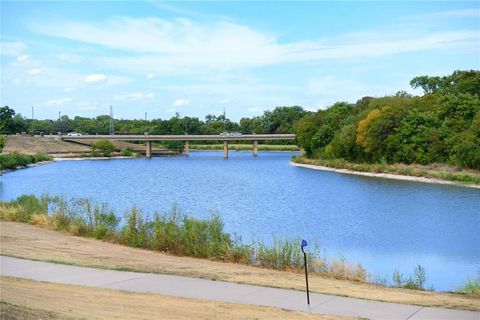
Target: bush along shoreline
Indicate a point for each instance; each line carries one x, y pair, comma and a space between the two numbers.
14, 160
182, 235
440, 173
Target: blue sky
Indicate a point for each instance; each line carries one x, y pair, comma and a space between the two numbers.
196, 58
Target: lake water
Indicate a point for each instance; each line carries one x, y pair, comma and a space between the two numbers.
383, 224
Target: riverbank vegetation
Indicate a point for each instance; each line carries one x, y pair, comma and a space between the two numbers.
442, 126
471, 287
178, 234
15, 159
437, 171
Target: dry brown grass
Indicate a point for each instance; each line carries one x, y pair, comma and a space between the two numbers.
53, 146
31, 242
34, 300
31, 145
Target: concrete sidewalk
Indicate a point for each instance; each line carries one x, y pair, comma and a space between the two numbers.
222, 291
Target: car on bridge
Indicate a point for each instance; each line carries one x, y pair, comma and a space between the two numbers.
74, 134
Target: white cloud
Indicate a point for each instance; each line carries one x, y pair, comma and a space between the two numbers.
171, 110
134, 96
224, 101
181, 102
68, 89
96, 78
150, 76
179, 46
23, 58
12, 48
72, 58
35, 71
58, 102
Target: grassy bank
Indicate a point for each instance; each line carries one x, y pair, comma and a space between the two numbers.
32, 242
15, 159
32, 300
182, 235
245, 147
433, 172
171, 232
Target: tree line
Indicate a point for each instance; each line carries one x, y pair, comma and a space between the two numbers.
441, 126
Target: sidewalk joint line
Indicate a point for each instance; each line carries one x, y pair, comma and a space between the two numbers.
119, 281
414, 313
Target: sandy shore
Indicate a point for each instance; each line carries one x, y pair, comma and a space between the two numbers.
386, 175
91, 158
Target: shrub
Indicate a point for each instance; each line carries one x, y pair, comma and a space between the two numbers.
29, 205
417, 280
134, 233
128, 152
471, 287
15, 159
103, 147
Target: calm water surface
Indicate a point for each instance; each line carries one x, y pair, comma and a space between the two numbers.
383, 224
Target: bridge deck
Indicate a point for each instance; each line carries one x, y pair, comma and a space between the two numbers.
245, 137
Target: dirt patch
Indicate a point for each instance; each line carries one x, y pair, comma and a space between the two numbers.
26, 299
32, 145
31, 242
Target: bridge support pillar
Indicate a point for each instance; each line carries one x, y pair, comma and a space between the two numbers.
255, 148
187, 148
225, 149
148, 152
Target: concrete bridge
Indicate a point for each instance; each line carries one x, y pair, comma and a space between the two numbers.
187, 138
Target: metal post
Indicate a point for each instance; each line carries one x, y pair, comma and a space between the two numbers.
304, 244
255, 148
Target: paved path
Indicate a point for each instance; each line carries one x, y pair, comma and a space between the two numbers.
222, 291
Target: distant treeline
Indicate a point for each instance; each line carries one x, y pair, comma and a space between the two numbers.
280, 120
442, 126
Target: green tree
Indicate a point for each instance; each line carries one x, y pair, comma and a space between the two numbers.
103, 147
374, 130
460, 81
6, 120
417, 140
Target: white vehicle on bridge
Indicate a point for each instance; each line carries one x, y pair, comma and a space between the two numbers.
74, 134
231, 134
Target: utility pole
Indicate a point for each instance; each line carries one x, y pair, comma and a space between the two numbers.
145, 116
32, 114
59, 124
112, 126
